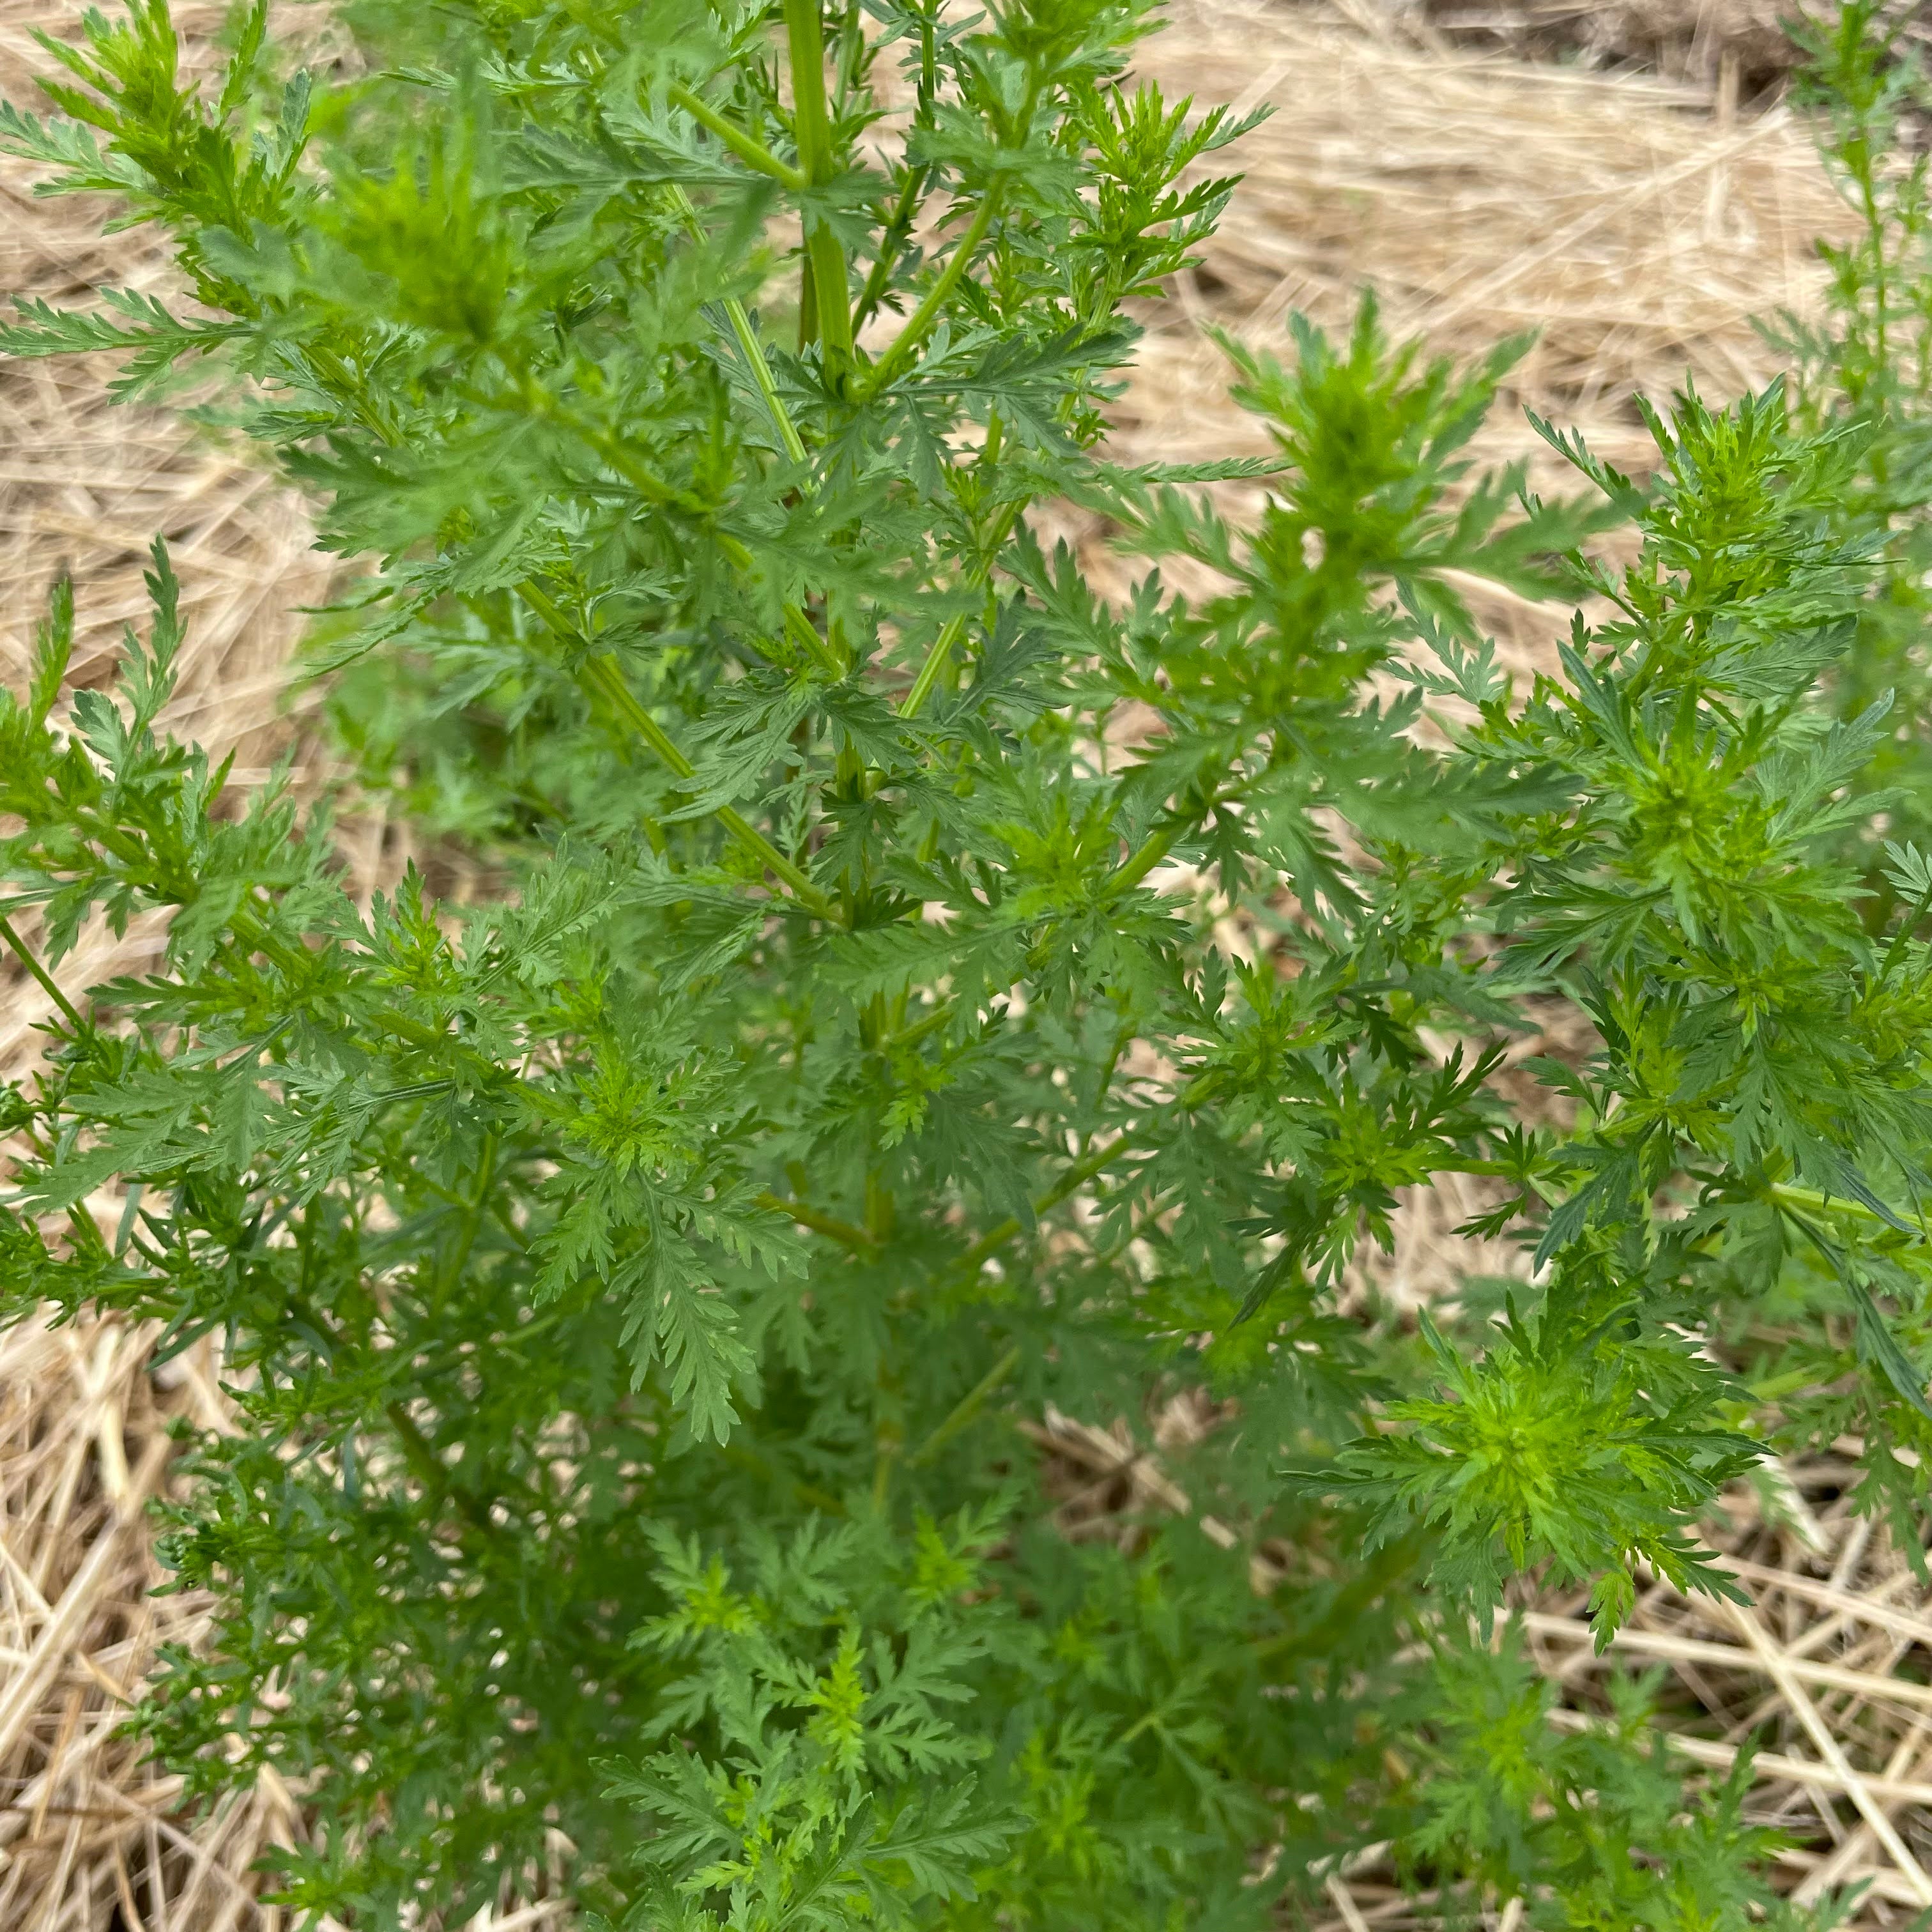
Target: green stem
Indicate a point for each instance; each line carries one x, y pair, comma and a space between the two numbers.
1920, 907
754, 352
929, 672
656, 490
805, 632
749, 347
888, 1455
811, 122
924, 319
605, 677
1148, 1721
648, 483
808, 305
739, 1451
912, 1035
811, 119
752, 153
602, 677
828, 282
1132, 870
430, 1471
969, 1406
417, 1090
1809, 1198
428, 1468
892, 240
1076, 1177
21, 950
933, 668
830, 1226
449, 1269
989, 450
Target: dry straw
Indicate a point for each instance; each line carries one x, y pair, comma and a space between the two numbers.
1638, 220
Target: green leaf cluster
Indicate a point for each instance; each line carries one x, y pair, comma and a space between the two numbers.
899, 989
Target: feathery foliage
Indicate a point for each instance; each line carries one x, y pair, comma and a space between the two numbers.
629, 1277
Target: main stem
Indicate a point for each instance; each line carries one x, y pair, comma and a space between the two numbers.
827, 292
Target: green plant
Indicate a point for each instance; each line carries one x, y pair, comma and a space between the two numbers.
1865, 367
629, 1277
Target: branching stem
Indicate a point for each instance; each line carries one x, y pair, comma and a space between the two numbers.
1137, 866
924, 319
602, 677
930, 672
1075, 1177
749, 347
605, 677
753, 153
830, 1226
968, 1407
25, 954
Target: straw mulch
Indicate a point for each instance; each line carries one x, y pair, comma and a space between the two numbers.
1638, 218
1740, 44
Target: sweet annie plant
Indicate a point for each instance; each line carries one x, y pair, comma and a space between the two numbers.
630, 1276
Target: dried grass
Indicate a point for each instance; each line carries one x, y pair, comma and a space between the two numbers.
1637, 225
86, 487
1639, 220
